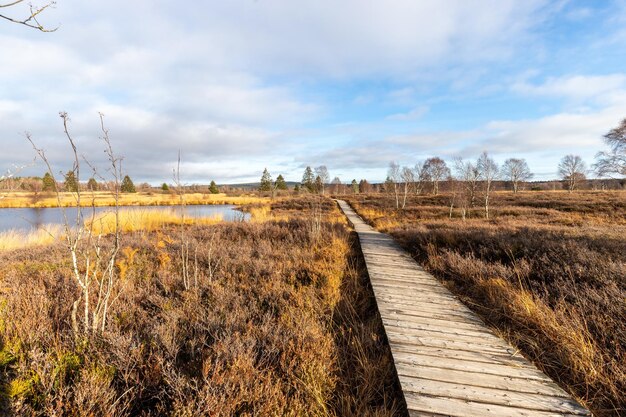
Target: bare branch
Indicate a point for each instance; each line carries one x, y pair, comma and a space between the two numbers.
31, 20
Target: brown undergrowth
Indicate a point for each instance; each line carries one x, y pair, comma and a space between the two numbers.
277, 321
548, 272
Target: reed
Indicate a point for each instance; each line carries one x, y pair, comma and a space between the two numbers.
107, 199
145, 220
19, 239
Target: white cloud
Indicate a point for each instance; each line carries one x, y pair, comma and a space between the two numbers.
413, 114
576, 87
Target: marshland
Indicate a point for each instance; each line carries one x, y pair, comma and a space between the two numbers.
185, 189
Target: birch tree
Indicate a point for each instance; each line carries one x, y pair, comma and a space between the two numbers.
516, 171
613, 162
408, 179
489, 172
393, 178
572, 170
435, 170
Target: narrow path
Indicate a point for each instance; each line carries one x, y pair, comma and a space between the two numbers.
448, 361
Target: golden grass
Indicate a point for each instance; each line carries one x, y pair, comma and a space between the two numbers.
146, 220
106, 199
130, 221
18, 239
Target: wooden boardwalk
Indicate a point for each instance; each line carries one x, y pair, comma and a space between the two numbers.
448, 361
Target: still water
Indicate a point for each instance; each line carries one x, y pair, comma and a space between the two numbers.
33, 218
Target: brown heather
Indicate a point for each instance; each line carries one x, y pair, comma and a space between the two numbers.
279, 322
547, 272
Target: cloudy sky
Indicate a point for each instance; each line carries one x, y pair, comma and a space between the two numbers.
240, 85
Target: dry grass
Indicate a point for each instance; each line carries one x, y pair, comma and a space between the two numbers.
547, 272
106, 199
17, 239
280, 322
130, 221
145, 220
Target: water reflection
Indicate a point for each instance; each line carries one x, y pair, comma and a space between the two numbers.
35, 218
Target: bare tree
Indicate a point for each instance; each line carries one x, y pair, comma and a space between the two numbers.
489, 172
93, 262
469, 175
516, 171
418, 178
572, 170
336, 185
614, 161
31, 17
393, 178
322, 172
435, 170
407, 175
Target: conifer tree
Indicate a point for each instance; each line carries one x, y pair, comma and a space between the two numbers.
280, 183
308, 180
127, 185
92, 184
355, 187
319, 185
71, 185
48, 183
165, 187
296, 189
266, 181
213, 189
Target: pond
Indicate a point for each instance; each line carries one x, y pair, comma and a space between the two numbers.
26, 219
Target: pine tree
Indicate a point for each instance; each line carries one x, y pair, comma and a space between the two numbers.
48, 183
308, 180
127, 185
71, 185
266, 181
165, 187
92, 184
319, 184
213, 189
280, 183
296, 189
355, 187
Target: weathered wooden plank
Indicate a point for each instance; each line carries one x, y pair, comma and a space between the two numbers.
429, 320
529, 401
526, 372
436, 327
395, 335
474, 356
504, 384
462, 408
448, 361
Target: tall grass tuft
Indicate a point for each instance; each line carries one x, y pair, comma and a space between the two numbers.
21, 239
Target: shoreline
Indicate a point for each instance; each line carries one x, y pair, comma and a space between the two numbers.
106, 199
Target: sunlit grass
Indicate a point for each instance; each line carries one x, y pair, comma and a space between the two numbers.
146, 220
103, 224
17, 239
106, 199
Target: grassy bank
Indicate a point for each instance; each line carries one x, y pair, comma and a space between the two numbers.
145, 220
278, 321
106, 199
547, 271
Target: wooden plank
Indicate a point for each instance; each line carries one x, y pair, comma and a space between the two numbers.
426, 340
474, 356
436, 327
429, 320
504, 384
462, 408
529, 401
525, 372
